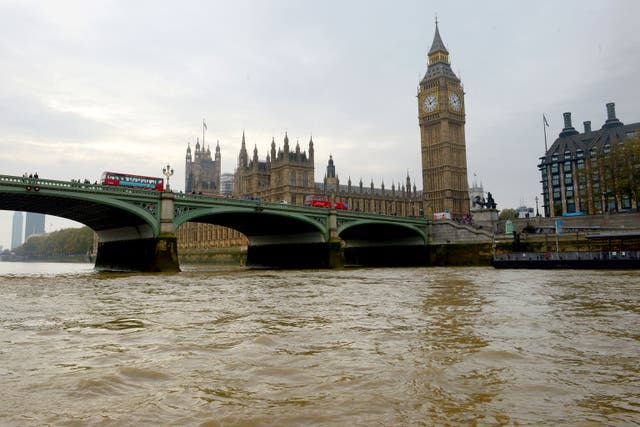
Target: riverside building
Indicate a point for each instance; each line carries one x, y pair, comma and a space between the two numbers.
594, 171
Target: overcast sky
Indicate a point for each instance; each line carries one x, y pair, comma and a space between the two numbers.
88, 86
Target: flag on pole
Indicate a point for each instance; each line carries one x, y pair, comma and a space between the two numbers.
204, 127
545, 125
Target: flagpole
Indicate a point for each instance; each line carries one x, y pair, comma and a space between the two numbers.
544, 127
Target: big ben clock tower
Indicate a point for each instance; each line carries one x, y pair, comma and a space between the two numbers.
441, 118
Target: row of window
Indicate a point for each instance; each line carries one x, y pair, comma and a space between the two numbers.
610, 202
294, 179
593, 153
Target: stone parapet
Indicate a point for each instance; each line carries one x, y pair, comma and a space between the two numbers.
447, 231
628, 221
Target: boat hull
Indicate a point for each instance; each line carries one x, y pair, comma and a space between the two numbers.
568, 264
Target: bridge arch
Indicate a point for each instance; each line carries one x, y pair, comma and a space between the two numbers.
372, 231
371, 242
99, 209
259, 223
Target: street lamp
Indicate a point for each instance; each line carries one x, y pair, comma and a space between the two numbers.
168, 172
537, 213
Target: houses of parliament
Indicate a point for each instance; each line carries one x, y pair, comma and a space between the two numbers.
287, 173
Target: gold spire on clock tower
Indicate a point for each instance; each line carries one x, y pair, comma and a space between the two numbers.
441, 118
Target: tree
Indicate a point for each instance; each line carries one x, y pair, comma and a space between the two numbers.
70, 241
611, 174
630, 166
508, 213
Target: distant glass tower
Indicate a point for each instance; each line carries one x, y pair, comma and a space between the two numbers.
34, 224
16, 233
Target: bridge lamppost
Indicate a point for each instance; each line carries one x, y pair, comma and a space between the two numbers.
168, 172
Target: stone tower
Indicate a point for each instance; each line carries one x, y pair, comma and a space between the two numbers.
441, 118
331, 180
202, 172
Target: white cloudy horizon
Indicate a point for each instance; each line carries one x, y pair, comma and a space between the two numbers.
114, 85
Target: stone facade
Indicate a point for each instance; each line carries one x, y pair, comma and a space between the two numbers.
288, 175
193, 235
401, 200
285, 174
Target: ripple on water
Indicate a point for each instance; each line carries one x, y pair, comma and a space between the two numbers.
120, 324
402, 347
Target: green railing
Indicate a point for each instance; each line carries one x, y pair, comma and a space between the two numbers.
74, 186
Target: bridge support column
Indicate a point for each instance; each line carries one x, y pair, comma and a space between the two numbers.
336, 247
156, 254
333, 224
296, 255
336, 253
387, 255
152, 255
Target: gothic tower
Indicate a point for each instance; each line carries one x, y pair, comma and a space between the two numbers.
441, 118
202, 172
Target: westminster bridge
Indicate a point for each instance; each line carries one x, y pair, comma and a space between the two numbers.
136, 228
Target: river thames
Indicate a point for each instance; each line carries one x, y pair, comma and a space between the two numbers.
355, 347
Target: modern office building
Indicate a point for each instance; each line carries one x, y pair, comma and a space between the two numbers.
16, 230
226, 184
594, 171
34, 224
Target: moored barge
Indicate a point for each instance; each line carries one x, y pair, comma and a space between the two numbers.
606, 251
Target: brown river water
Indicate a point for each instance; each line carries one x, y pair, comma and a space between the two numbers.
353, 347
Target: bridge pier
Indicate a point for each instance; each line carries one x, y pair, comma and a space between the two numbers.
387, 256
151, 254
146, 255
296, 255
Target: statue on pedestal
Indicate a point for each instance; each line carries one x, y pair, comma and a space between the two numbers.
480, 201
491, 204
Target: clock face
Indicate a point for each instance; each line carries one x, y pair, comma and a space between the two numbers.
430, 103
454, 101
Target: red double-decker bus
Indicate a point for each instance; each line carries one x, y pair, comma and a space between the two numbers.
136, 181
322, 202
